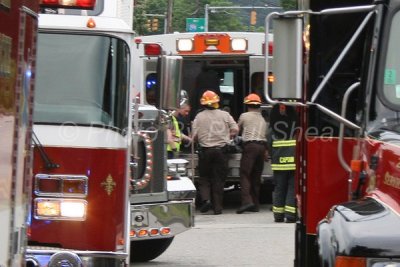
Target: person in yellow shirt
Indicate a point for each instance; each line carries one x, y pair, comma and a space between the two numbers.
175, 136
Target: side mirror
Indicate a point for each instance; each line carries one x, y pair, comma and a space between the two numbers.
170, 81
287, 65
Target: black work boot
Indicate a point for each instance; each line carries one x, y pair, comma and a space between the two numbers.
279, 217
206, 206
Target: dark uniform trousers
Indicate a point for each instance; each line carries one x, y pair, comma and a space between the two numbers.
284, 166
251, 168
284, 196
213, 169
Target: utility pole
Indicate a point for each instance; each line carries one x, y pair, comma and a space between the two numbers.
169, 15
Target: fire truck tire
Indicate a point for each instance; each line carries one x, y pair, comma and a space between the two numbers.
147, 250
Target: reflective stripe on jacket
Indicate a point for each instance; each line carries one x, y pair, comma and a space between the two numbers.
283, 155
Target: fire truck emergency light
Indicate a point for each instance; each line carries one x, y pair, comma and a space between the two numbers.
60, 209
184, 45
80, 4
238, 44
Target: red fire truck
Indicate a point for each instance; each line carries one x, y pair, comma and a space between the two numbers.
17, 61
94, 187
233, 63
337, 62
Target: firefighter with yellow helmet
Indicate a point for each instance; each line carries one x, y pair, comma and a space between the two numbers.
253, 128
212, 129
283, 125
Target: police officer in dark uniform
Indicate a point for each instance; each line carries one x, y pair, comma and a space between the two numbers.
283, 125
253, 129
212, 129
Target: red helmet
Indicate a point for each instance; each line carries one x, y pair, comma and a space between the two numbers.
209, 98
252, 99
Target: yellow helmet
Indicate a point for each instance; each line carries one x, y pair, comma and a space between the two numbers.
252, 99
209, 98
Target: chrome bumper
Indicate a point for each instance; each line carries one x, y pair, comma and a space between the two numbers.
176, 216
51, 257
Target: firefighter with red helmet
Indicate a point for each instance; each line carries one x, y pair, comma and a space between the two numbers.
212, 129
253, 128
283, 124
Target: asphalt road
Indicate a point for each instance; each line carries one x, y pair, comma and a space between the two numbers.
248, 239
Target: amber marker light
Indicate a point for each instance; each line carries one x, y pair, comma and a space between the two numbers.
211, 41
132, 233
154, 232
271, 78
165, 231
142, 233
91, 23
48, 208
343, 261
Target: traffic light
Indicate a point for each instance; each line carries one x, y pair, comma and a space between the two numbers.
154, 25
253, 17
148, 25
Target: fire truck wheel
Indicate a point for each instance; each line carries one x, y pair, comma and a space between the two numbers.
146, 250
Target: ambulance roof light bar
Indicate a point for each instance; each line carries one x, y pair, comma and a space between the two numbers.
212, 40
78, 4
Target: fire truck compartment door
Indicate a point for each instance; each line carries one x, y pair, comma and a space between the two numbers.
182, 188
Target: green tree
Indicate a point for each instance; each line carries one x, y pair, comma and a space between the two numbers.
225, 19
142, 9
221, 20
289, 4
